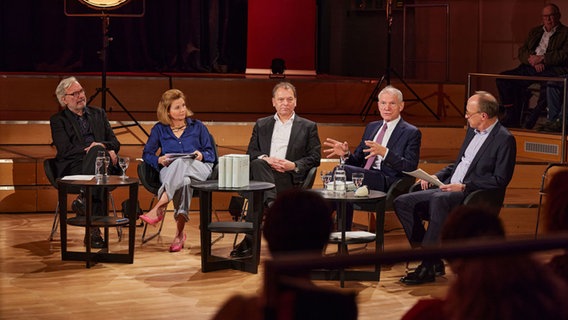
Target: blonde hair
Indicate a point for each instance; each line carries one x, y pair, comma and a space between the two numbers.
165, 104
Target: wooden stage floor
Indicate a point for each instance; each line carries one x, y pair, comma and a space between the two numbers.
36, 284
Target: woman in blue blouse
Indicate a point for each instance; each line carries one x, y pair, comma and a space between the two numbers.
176, 133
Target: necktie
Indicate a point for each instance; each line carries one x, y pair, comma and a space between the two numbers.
379, 140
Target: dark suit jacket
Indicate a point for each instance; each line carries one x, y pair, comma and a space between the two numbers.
304, 147
403, 145
69, 141
493, 165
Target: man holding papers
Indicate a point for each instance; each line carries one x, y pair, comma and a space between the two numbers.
486, 161
387, 148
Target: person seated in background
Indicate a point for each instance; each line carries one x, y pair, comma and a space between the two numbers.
556, 218
504, 287
79, 132
283, 147
387, 148
486, 161
176, 132
544, 53
299, 221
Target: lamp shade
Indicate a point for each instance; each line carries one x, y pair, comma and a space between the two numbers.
104, 4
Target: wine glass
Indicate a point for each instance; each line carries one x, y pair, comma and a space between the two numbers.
123, 162
325, 178
357, 178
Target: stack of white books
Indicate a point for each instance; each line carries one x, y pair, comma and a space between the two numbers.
234, 171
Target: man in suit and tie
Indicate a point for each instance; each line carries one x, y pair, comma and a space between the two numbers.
486, 161
79, 132
387, 148
283, 148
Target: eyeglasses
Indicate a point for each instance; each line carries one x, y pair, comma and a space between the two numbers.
549, 16
469, 114
76, 94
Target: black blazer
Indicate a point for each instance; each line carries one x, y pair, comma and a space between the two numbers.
304, 147
69, 141
404, 150
493, 165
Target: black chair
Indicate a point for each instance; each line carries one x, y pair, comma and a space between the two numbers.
49, 169
150, 179
309, 179
548, 173
491, 199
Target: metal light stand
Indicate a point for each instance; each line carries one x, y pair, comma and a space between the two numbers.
387, 75
103, 90
103, 55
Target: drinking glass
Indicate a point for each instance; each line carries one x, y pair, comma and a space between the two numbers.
123, 162
357, 178
99, 168
106, 163
339, 182
325, 178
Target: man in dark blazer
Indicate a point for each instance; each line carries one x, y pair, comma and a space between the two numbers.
486, 161
382, 162
283, 148
79, 132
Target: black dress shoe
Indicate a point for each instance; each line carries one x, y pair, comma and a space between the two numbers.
97, 241
243, 249
439, 268
551, 126
422, 274
78, 205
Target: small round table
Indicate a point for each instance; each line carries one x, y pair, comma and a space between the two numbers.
90, 184
375, 197
255, 191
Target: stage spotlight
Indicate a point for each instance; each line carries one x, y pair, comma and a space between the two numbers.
104, 4
278, 67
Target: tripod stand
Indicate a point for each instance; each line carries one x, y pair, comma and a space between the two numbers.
103, 90
387, 75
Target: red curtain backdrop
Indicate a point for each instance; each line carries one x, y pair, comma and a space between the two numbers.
281, 29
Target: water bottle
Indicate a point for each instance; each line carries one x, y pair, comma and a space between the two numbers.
340, 183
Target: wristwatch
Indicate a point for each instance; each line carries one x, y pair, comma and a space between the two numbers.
296, 169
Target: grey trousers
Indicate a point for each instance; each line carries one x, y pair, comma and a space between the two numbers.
176, 182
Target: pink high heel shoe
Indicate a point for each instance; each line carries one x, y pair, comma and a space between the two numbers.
161, 213
177, 245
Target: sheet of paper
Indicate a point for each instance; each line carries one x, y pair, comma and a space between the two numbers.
421, 174
78, 177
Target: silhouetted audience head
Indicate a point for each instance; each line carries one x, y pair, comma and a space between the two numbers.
299, 220
556, 213
468, 222
556, 218
504, 287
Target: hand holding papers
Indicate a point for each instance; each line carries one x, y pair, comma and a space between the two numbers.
423, 175
173, 156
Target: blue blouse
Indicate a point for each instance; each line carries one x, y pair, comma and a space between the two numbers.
194, 137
